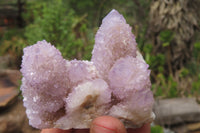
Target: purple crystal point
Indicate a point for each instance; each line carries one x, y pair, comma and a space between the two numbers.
129, 74
44, 83
113, 40
70, 94
129, 80
43, 63
113, 17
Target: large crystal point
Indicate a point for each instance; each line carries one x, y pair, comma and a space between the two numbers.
113, 40
44, 83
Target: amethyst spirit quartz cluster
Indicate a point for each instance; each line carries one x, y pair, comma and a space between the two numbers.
69, 94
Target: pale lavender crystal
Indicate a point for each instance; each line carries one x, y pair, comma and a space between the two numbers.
129, 80
44, 83
129, 74
113, 40
70, 94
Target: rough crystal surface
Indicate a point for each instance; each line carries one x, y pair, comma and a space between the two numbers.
70, 94
87, 101
79, 71
127, 75
44, 83
113, 40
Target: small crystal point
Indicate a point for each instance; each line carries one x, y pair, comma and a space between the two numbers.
113, 16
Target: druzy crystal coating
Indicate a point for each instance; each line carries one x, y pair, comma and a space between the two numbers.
69, 94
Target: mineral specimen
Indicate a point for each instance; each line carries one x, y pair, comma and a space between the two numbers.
70, 94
